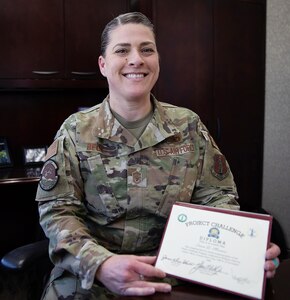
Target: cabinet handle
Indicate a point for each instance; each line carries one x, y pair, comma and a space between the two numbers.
83, 73
45, 72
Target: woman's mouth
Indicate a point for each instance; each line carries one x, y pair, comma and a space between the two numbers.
135, 75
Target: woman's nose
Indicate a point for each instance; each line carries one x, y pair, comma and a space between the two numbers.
135, 58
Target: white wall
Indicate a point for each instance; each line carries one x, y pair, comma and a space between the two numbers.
276, 173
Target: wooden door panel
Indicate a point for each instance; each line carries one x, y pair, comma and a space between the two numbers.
185, 41
239, 47
31, 38
84, 22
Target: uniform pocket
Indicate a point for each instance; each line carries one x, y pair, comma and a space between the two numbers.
99, 187
181, 182
171, 176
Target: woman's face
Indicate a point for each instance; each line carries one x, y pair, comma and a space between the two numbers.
131, 63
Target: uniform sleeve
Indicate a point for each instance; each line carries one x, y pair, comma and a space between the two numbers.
62, 212
215, 184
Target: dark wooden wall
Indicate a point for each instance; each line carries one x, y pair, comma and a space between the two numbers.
212, 61
31, 118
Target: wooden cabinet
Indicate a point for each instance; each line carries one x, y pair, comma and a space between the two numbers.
185, 42
50, 40
213, 62
212, 59
31, 38
84, 23
239, 85
31, 118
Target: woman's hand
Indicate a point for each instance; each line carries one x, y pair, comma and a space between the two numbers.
130, 275
272, 260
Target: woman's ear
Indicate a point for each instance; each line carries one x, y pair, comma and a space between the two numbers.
102, 65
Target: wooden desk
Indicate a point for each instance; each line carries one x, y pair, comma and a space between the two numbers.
277, 288
195, 292
19, 218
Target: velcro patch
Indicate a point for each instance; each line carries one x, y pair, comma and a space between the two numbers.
49, 177
219, 169
52, 150
178, 150
137, 177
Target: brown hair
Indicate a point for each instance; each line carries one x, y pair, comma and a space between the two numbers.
131, 17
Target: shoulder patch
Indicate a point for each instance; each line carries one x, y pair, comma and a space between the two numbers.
48, 177
52, 150
219, 169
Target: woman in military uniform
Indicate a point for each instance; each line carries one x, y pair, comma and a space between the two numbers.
114, 171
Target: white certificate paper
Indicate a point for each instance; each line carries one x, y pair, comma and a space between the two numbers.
219, 248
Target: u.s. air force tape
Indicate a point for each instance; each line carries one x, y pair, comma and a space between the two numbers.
49, 177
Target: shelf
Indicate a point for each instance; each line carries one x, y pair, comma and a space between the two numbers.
34, 84
19, 175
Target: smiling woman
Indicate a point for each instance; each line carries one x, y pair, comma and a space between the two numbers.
114, 171
131, 65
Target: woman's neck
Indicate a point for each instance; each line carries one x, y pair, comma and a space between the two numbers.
131, 110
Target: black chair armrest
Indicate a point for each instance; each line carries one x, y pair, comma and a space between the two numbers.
25, 256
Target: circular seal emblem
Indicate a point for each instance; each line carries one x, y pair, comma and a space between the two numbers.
214, 233
182, 218
49, 177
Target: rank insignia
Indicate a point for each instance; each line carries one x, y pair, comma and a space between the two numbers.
219, 169
137, 177
176, 138
49, 177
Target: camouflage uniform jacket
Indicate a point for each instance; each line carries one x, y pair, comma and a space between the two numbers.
104, 192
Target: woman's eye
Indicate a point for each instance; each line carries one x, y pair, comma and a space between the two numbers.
121, 51
148, 50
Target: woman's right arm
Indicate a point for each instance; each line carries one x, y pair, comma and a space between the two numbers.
62, 211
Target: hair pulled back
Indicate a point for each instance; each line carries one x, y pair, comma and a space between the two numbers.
127, 18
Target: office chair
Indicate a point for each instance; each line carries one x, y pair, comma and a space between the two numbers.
28, 265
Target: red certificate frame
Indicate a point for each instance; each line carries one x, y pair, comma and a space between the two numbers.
219, 248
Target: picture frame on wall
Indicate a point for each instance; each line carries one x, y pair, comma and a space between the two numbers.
34, 155
5, 158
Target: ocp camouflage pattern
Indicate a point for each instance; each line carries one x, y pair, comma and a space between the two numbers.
112, 194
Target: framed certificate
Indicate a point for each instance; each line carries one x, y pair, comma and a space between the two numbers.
219, 248
5, 159
34, 156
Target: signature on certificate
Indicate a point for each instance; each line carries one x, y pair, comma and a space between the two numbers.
208, 269
202, 267
240, 280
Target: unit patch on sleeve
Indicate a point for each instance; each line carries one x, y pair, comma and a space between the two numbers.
219, 169
49, 175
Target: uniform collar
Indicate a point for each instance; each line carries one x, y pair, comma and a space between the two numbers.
159, 128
